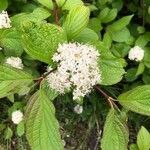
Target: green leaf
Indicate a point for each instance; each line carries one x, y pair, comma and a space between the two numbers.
142, 40
60, 3
11, 41
3, 4
95, 25
108, 15
140, 29
117, 4
140, 69
11, 98
20, 129
42, 129
41, 41
121, 35
111, 16
120, 49
107, 39
46, 3
120, 24
131, 74
133, 147
12, 79
8, 133
103, 14
137, 99
115, 135
111, 68
87, 36
76, 21
37, 16
146, 57
143, 139
70, 4
51, 93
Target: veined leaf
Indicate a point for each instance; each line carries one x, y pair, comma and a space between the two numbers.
20, 128
46, 3
87, 36
137, 100
76, 21
95, 24
121, 35
143, 139
107, 15
42, 128
8, 133
11, 41
37, 16
120, 24
111, 67
41, 41
12, 79
70, 4
107, 39
143, 39
115, 135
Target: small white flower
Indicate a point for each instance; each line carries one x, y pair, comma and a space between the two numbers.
136, 53
0, 48
77, 69
4, 20
78, 109
17, 117
15, 62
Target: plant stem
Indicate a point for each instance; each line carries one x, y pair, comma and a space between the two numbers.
56, 13
109, 98
40, 79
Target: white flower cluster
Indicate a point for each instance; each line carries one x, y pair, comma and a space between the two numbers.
17, 116
136, 53
4, 20
78, 109
77, 69
15, 62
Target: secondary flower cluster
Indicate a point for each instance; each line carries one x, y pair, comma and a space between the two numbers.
77, 70
4, 20
15, 62
17, 117
136, 53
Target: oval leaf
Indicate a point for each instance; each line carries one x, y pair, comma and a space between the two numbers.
41, 41
120, 24
143, 139
115, 135
137, 100
42, 128
12, 79
11, 41
46, 3
76, 21
111, 68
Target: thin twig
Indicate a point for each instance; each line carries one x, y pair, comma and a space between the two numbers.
40, 79
98, 133
109, 98
98, 139
105, 95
